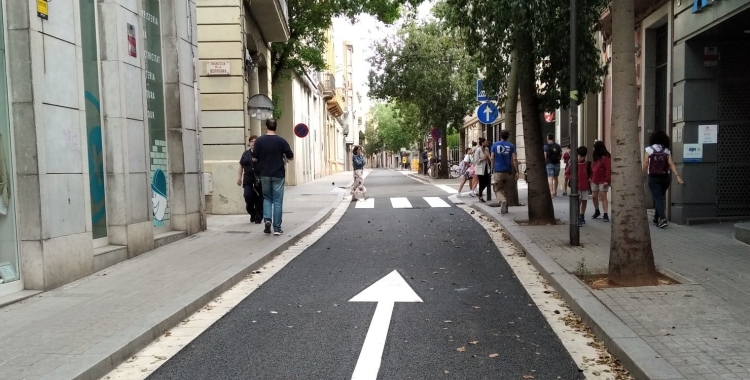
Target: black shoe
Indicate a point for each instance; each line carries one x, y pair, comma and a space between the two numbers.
278, 233
268, 227
257, 221
606, 217
596, 214
662, 223
252, 219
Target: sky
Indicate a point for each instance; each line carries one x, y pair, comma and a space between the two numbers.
362, 35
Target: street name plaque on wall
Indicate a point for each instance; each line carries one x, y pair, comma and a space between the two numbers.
218, 68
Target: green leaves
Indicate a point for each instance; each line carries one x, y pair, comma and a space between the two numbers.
309, 20
490, 30
426, 68
391, 128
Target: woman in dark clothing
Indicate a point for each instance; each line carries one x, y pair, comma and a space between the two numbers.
251, 184
658, 164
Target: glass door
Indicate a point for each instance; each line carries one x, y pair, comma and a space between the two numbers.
10, 273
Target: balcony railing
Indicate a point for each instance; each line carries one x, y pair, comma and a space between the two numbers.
327, 85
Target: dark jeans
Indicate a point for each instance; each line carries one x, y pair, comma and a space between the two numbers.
254, 201
425, 166
484, 182
658, 184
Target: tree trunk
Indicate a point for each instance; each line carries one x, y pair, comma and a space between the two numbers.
511, 108
541, 211
631, 259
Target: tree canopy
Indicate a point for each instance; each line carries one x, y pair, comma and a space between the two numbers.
491, 31
389, 130
427, 68
310, 19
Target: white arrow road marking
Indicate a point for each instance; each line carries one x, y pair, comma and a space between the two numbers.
386, 292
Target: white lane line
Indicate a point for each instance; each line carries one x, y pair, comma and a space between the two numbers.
447, 189
142, 364
436, 202
400, 203
367, 203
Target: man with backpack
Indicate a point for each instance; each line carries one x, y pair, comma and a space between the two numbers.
552, 155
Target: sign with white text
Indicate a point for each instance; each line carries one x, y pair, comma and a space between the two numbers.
217, 68
708, 134
693, 153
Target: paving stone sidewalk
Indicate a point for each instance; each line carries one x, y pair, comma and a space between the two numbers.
84, 329
702, 326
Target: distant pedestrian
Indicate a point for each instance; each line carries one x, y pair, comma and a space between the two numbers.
403, 162
482, 167
358, 162
553, 155
466, 169
270, 152
248, 178
473, 181
425, 161
566, 159
658, 164
505, 166
601, 176
584, 182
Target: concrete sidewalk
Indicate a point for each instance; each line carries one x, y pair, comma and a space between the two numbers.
86, 328
699, 329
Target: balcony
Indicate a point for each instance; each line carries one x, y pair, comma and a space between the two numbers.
327, 85
273, 19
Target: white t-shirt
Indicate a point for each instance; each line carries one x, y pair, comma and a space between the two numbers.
658, 148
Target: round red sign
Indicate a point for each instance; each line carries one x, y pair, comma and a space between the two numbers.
301, 130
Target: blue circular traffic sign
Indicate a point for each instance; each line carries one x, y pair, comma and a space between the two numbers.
487, 113
301, 130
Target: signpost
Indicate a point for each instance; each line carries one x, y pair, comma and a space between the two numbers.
481, 93
386, 292
301, 130
488, 113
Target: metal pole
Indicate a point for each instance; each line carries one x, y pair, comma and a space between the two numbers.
575, 233
488, 133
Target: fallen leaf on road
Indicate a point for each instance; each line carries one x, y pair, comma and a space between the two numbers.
161, 357
446, 371
167, 333
274, 312
494, 355
448, 321
474, 342
477, 307
461, 349
528, 377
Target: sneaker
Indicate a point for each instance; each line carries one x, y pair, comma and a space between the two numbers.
504, 207
268, 227
279, 232
662, 223
580, 221
606, 217
565, 194
252, 219
596, 214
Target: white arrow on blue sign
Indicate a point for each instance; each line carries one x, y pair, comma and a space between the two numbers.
481, 93
488, 113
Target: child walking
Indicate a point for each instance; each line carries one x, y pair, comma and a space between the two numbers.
584, 182
601, 177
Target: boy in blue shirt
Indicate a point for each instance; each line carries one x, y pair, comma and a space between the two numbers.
503, 155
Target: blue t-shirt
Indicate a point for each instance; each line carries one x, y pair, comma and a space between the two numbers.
503, 151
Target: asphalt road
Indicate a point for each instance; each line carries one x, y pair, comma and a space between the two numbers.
300, 325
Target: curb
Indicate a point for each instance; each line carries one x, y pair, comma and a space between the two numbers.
108, 354
638, 358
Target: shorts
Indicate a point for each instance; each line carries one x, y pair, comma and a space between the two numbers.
585, 195
599, 187
553, 170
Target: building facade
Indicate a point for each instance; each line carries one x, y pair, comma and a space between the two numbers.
691, 62
99, 137
331, 87
234, 39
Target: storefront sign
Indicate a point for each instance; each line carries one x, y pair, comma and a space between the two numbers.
42, 10
131, 41
156, 114
7, 274
217, 67
708, 134
711, 56
693, 153
698, 5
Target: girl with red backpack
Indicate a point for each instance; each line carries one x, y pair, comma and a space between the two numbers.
658, 164
584, 181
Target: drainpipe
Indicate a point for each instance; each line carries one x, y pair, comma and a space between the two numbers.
670, 100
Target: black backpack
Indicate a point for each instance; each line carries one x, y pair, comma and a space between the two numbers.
554, 152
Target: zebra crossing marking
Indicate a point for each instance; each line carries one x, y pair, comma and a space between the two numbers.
367, 203
436, 202
400, 203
